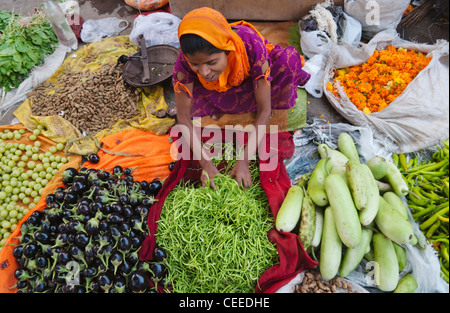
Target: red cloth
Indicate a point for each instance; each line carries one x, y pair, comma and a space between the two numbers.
293, 258
76, 24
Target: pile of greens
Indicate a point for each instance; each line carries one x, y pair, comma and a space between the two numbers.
25, 41
216, 240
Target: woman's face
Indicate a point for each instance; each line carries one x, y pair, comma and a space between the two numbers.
208, 66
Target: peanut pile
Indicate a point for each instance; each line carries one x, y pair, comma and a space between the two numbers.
313, 283
91, 101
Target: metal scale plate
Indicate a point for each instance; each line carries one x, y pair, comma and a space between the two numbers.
150, 66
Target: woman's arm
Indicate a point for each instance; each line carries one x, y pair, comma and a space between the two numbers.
184, 103
241, 170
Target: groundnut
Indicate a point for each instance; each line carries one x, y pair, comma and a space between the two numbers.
314, 283
91, 101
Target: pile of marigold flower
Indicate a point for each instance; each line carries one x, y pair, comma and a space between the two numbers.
373, 85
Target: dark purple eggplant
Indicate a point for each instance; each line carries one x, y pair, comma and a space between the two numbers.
125, 268
127, 171
82, 240
79, 185
63, 257
158, 270
98, 219
159, 254
42, 262
59, 196
115, 218
119, 284
30, 250
124, 243
116, 208
104, 281
83, 209
124, 199
22, 274
93, 158
68, 175
50, 198
138, 282
154, 186
127, 211
116, 259
18, 251
118, 171
70, 198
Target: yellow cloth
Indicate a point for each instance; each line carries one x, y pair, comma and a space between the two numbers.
91, 58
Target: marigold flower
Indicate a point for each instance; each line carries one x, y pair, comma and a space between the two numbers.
372, 86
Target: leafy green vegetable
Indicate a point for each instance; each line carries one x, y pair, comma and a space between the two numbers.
24, 44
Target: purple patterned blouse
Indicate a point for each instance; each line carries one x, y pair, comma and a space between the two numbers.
285, 75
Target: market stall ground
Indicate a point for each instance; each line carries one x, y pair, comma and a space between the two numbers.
425, 31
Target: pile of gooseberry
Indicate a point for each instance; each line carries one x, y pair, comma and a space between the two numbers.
25, 169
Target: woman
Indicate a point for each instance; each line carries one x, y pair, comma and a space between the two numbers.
231, 69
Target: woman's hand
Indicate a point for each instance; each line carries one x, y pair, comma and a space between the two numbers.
208, 173
241, 173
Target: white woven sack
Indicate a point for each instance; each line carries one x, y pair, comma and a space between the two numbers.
416, 119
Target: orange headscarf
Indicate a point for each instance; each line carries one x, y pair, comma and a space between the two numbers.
213, 27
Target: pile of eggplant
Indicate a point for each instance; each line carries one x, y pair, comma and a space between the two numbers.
87, 237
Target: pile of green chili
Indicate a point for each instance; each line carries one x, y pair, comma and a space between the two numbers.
216, 240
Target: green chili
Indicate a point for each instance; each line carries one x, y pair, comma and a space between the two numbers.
430, 221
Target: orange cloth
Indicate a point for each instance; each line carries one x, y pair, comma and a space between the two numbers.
213, 27
151, 156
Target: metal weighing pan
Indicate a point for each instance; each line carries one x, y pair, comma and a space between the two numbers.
149, 66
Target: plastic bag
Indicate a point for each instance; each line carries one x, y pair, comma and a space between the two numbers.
376, 16
318, 41
306, 156
315, 66
316, 45
147, 5
158, 28
96, 30
415, 120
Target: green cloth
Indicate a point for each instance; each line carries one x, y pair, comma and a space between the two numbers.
297, 115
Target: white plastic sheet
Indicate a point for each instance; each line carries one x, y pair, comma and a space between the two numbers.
96, 30
158, 28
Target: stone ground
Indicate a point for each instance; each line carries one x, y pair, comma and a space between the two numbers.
426, 31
